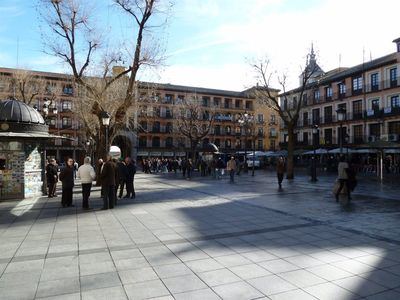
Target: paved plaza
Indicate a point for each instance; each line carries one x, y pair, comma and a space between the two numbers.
206, 239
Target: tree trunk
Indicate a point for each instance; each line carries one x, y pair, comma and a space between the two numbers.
290, 149
101, 147
193, 145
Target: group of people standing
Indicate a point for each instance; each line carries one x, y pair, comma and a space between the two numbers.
111, 175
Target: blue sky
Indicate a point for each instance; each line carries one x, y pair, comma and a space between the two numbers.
209, 42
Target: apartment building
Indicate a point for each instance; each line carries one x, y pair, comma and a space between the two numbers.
158, 134
57, 92
368, 93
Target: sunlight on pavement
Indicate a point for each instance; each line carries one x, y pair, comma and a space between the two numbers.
24, 206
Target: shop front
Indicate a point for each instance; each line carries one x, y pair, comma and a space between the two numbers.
22, 133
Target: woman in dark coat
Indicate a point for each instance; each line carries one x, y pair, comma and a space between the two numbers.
67, 179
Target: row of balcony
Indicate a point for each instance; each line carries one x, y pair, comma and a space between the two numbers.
208, 103
217, 117
367, 88
212, 132
355, 116
170, 145
63, 126
353, 140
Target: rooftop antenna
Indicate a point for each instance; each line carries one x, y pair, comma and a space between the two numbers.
363, 56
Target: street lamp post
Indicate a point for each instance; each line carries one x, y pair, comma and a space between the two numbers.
105, 119
254, 156
315, 132
245, 121
45, 113
341, 115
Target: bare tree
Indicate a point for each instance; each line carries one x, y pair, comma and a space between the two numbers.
193, 121
27, 87
75, 41
289, 114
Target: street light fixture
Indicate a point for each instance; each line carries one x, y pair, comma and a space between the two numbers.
315, 131
105, 119
341, 115
44, 113
45, 109
245, 121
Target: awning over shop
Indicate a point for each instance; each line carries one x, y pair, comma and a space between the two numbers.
317, 151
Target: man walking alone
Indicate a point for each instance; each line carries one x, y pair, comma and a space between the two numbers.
231, 168
280, 171
130, 187
122, 176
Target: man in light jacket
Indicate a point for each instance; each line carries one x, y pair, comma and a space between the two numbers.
231, 168
87, 174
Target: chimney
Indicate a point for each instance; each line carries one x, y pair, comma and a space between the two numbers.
116, 70
397, 41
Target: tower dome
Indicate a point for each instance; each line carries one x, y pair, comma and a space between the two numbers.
17, 116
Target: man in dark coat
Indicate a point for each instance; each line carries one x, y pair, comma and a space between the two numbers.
122, 176
52, 177
67, 179
280, 171
107, 177
130, 187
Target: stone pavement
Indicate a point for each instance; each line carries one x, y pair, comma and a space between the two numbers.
206, 239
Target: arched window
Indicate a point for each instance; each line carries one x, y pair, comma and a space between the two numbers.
156, 127
169, 127
205, 142
238, 144
142, 142
228, 130
155, 142
228, 143
169, 142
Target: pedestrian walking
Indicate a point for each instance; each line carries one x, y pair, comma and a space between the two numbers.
122, 176
67, 180
52, 177
220, 166
108, 181
184, 167
75, 168
189, 168
130, 179
87, 175
343, 168
231, 168
280, 170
